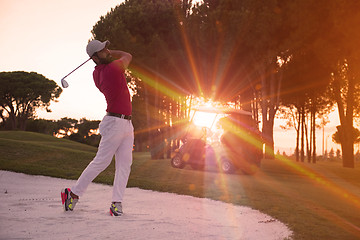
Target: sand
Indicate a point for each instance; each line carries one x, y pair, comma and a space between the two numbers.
30, 208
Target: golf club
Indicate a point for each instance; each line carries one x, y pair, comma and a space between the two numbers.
64, 83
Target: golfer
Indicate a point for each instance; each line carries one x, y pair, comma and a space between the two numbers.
116, 129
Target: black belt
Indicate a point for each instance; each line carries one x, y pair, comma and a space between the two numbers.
123, 116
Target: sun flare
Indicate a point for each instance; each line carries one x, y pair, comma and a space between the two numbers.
201, 117
204, 119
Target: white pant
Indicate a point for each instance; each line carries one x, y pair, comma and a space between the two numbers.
117, 138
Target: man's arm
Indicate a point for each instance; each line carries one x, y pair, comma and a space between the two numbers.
123, 56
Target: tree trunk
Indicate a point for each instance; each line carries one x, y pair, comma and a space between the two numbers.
268, 133
346, 121
308, 142
12, 116
147, 110
255, 107
302, 155
13, 122
22, 118
347, 148
297, 150
269, 104
313, 135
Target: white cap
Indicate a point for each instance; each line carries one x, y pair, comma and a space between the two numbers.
95, 46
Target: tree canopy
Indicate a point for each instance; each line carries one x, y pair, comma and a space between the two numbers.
255, 54
21, 93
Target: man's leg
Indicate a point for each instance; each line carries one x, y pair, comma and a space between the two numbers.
108, 145
123, 161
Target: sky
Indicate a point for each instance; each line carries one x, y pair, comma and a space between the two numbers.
50, 38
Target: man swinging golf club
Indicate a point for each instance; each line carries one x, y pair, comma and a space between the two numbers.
116, 129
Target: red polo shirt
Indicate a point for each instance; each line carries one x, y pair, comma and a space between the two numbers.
110, 80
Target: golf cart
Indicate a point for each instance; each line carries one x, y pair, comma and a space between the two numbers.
238, 148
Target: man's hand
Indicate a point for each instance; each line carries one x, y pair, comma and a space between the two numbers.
123, 56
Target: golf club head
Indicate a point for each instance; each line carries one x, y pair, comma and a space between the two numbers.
64, 83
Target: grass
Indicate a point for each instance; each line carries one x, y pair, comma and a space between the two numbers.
320, 201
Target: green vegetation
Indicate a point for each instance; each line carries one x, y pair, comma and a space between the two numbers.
300, 56
21, 93
319, 201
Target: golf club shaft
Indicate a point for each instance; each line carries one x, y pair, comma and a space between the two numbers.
76, 68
